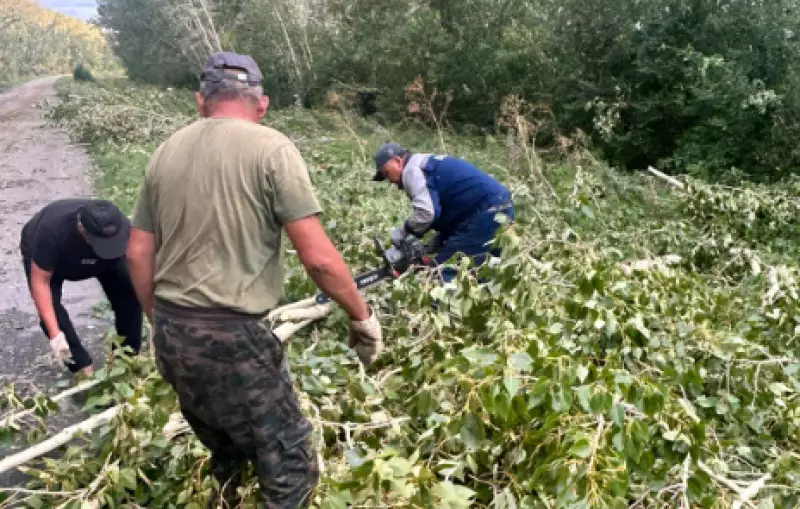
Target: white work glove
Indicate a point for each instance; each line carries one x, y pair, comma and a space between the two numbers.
397, 236
60, 349
366, 339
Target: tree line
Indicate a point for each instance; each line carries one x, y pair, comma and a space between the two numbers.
701, 86
35, 41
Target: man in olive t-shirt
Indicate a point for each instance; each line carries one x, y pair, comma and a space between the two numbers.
206, 260
222, 189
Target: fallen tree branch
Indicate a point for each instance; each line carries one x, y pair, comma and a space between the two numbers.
663, 176
85, 386
730, 485
685, 482
277, 312
751, 491
43, 493
59, 439
310, 313
285, 331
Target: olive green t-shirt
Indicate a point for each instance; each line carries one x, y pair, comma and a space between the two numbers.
216, 195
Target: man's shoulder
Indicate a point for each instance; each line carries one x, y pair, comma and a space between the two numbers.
65, 207
258, 136
54, 216
266, 137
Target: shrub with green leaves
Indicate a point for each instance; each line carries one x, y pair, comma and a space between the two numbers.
81, 73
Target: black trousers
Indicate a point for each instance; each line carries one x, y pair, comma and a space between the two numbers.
117, 286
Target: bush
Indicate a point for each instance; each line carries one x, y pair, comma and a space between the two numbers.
81, 73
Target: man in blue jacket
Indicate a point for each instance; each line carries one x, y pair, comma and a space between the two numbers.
448, 195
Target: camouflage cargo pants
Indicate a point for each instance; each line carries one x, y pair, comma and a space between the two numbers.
234, 390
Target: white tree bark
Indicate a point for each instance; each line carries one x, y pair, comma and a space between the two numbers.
59, 439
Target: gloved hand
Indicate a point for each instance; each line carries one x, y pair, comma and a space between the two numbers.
397, 236
60, 349
366, 339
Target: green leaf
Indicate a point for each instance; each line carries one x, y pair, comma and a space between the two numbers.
521, 361
791, 369
472, 431
582, 372
618, 415
623, 378
779, 388
556, 328
561, 399
601, 403
511, 384
653, 403
353, 458
128, 478
583, 397
452, 496
479, 356
580, 449
400, 466
123, 389
160, 442
98, 401
538, 393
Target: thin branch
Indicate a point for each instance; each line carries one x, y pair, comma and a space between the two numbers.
43, 493
59, 439
670, 180
85, 386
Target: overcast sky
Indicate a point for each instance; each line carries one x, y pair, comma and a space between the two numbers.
83, 9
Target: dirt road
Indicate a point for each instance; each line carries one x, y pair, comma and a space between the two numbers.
37, 165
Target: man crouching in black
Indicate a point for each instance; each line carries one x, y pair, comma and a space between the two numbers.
74, 240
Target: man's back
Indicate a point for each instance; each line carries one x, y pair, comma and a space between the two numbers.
216, 195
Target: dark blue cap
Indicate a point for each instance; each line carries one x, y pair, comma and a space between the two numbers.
226, 70
382, 156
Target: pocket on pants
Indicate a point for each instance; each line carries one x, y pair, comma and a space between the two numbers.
295, 440
297, 472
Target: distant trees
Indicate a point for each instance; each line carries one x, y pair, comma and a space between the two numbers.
705, 86
36, 41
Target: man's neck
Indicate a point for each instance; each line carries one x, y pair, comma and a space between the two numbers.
226, 110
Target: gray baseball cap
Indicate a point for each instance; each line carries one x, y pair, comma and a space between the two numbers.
228, 70
384, 153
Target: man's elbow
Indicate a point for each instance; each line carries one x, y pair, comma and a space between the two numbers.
140, 247
136, 255
316, 263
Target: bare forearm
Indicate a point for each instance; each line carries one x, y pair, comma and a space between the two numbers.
330, 274
43, 300
325, 266
142, 271
141, 260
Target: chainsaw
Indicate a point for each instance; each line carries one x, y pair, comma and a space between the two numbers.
396, 261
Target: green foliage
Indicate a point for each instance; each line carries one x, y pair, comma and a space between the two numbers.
703, 87
81, 73
633, 346
35, 41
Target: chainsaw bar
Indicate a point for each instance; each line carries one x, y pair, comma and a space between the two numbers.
362, 281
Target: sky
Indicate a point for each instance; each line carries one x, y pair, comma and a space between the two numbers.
83, 9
